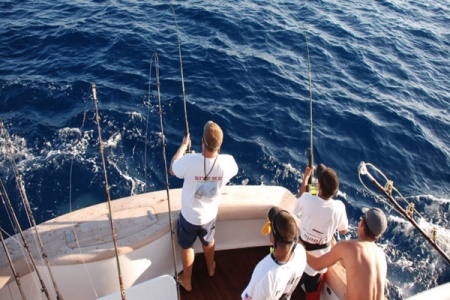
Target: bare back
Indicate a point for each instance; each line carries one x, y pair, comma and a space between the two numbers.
366, 268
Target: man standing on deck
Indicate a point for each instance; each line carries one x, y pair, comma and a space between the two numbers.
364, 262
276, 276
204, 176
321, 216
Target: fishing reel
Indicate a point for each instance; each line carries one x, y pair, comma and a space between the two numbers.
312, 189
312, 185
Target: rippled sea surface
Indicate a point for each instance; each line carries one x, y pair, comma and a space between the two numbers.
380, 94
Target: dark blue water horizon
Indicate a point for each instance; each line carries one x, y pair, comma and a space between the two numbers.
379, 87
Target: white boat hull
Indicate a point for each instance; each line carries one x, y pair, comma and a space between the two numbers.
144, 239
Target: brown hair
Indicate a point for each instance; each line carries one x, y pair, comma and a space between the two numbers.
328, 180
212, 136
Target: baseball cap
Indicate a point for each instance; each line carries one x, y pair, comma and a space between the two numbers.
283, 225
375, 219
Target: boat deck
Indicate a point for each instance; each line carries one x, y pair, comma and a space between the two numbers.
234, 269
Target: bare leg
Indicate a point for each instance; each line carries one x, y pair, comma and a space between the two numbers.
209, 256
187, 258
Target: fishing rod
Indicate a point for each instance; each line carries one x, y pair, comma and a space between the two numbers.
362, 169
31, 219
311, 187
11, 264
182, 81
4, 197
97, 117
163, 140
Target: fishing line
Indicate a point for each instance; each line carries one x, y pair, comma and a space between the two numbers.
163, 140
74, 227
408, 214
148, 106
21, 188
312, 188
146, 126
107, 187
149, 92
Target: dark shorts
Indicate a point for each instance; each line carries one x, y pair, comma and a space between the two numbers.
311, 282
188, 233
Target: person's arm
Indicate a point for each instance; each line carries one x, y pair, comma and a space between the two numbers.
304, 185
181, 151
328, 259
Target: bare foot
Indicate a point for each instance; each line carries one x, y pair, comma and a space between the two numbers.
185, 283
212, 270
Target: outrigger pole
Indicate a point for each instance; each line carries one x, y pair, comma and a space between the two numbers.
122, 289
363, 171
163, 139
182, 81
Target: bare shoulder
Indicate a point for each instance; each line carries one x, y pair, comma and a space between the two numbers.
381, 254
344, 246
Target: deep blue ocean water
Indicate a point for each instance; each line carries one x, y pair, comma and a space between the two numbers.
380, 94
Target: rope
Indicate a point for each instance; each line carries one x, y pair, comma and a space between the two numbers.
362, 170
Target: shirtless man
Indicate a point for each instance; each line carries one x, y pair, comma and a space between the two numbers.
364, 262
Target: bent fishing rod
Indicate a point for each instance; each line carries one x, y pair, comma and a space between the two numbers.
182, 80
362, 169
163, 140
311, 187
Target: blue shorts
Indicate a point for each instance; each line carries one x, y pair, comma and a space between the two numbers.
188, 233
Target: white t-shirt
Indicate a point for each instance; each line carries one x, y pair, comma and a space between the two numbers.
200, 197
271, 280
319, 221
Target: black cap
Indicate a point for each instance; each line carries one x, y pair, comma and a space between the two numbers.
284, 227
